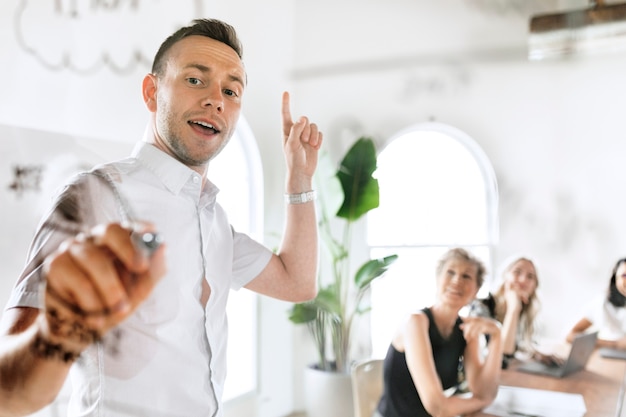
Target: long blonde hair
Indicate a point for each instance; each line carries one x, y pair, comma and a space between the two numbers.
529, 311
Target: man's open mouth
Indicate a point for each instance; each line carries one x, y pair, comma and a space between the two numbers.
205, 126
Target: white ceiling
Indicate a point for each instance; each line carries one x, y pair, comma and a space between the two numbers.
371, 33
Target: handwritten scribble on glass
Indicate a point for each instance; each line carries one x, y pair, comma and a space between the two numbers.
26, 178
86, 36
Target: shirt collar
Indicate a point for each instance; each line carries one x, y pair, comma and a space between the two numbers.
171, 172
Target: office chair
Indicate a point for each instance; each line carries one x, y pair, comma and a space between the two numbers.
367, 386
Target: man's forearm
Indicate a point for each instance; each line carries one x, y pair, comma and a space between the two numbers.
299, 248
28, 380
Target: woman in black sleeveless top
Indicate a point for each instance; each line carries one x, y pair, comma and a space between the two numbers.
424, 356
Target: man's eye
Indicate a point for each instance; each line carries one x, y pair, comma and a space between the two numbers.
193, 81
230, 93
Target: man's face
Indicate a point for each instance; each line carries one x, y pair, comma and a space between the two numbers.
197, 100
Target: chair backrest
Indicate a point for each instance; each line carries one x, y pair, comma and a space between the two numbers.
367, 386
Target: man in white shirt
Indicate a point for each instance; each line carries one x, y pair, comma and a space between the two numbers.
140, 327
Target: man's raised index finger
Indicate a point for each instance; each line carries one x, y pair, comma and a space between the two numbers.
287, 120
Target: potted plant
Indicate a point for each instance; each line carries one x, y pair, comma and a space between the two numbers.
330, 316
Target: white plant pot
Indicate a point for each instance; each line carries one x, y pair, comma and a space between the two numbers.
327, 394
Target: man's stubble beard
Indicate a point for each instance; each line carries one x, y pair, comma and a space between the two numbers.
181, 150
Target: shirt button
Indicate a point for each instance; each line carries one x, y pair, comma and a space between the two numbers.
196, 179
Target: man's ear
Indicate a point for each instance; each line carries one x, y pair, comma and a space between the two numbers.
149, 89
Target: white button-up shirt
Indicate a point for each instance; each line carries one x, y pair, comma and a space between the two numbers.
169, 357
610, 321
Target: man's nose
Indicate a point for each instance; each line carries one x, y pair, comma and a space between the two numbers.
214, 98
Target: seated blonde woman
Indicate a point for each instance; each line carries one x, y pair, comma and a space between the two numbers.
515, 304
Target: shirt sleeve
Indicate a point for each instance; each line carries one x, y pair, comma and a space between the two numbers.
71, 213
250, 258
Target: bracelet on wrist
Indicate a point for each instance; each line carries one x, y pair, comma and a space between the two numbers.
300, 198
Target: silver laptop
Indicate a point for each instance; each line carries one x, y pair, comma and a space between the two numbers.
612, 353
582, 348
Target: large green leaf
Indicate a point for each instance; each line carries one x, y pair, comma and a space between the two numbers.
360, 189
328, 299
303, 312
372, 269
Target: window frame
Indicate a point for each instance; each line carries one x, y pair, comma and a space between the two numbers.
491, 195
246, 140
482, 160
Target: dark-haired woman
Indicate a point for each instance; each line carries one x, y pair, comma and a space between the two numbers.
607, 314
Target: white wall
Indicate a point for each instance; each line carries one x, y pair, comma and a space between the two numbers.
553, 131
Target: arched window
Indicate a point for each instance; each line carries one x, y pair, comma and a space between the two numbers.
237, 171
437, 191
